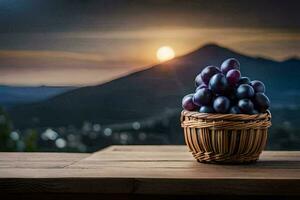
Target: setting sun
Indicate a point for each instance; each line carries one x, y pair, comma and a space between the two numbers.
165, 53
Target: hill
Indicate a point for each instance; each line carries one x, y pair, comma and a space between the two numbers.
155, 91
16, 95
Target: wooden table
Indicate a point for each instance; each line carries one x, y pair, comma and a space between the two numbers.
135, 172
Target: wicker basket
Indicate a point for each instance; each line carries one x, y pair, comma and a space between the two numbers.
225, 138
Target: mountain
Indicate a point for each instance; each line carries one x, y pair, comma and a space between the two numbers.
15, 95
155, 91
292, 61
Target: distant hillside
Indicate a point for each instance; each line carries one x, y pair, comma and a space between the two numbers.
15, 95
156, 90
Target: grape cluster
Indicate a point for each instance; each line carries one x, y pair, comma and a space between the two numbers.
223, 90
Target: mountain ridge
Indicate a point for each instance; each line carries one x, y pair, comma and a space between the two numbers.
12, 95
148, 92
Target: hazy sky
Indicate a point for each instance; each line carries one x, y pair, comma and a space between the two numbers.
86, 42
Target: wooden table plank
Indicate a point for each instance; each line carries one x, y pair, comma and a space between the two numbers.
143, 170
155, 172
39, 160
152, 186
145, 148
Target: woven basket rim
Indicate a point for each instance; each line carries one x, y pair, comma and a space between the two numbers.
234, 117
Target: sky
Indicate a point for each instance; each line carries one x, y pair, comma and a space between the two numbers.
86, 42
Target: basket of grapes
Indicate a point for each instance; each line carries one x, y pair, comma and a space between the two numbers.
226, 120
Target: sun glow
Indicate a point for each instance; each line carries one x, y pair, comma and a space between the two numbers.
165, 53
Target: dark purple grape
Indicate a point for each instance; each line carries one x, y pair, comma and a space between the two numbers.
258, 86
262, 102
188, 95
244, 80
221, 104
246, 106
231, 94
188, 104
229, 64
198, 80
218, 84
202, 97
235, 110
254, 112
206, 109
203, 85
208, 72
244, 91
233, 76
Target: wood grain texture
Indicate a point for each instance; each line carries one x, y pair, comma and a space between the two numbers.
147, 170
39, 160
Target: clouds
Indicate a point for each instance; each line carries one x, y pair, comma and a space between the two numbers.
59, 41
66, 16
59, 68
51, 55
28, 60
97, 56
62, 77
